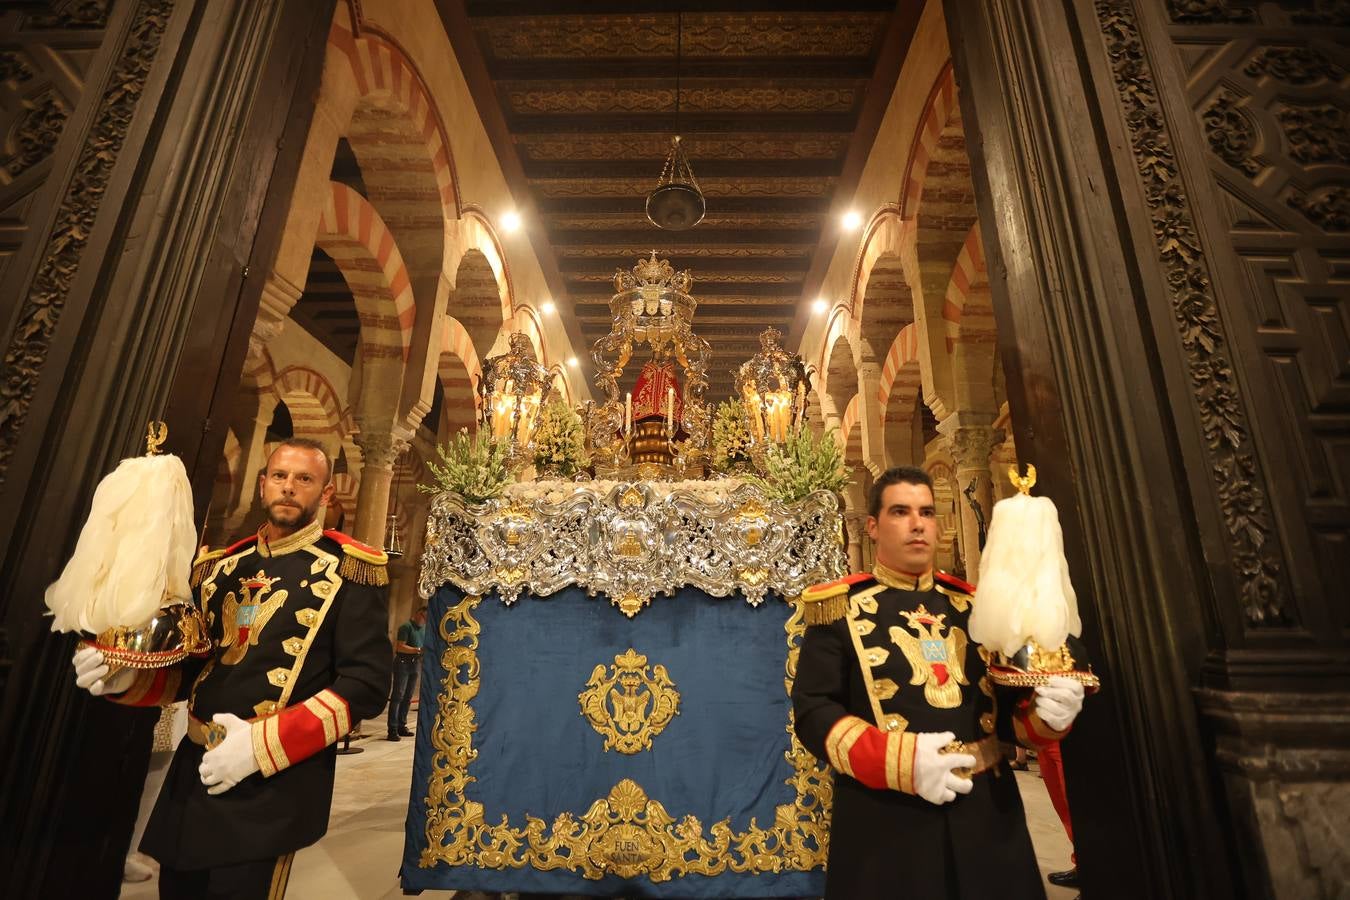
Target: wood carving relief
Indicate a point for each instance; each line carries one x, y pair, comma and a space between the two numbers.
41, 309
1236, 476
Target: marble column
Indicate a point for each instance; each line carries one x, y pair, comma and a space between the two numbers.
853, 528
971, 438
379, 451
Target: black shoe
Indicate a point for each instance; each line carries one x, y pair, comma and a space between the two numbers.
393, 737
1067, 878
404, 732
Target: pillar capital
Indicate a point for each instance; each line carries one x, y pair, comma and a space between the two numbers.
380, 449
972, 438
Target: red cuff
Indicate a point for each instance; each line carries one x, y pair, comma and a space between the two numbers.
883, 760
297, 733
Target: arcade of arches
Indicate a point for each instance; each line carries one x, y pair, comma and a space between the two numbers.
1104, 236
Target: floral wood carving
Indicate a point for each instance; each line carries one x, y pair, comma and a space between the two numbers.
84, 14
1194, 11
35, 135
14, 68
1230, 133
1325, 12
41, 310
1316, 134
1294, 65
1232, 463
1329, 208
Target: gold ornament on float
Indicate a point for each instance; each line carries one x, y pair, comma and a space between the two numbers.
627, 706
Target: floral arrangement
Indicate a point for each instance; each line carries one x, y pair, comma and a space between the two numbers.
803, 464
560, 441
472, 465
730, 438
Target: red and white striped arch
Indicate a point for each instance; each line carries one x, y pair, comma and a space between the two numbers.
315, 408
458, 368
353, 234
966, 311
384, 73
938, 110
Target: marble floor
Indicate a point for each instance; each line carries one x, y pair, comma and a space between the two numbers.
359, 857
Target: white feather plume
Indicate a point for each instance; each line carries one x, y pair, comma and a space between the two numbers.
135, 551
1024, 590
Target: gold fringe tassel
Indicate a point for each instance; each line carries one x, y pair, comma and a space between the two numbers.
362, 572
202, 568
826, 610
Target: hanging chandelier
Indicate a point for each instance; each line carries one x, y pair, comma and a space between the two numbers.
677, 202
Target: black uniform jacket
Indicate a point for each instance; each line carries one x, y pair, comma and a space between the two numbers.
285, 624
885, 843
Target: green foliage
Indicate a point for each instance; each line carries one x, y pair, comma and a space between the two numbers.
473, 466
802, 465
730, 437
560, 441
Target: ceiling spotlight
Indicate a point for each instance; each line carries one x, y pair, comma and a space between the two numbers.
852, 220
510, 221
819, 305
549, 307
573, 362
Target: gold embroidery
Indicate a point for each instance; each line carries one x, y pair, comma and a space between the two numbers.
893, 742
627, 706
279, 676
265, 708
242, 622
891, 578
458, 832
864, 602
875, 656
292, 542
293, 645
959, 601
864, 627
307, 617
905, 777
884, 688
893, 722
839, 742
929, 651
314, 620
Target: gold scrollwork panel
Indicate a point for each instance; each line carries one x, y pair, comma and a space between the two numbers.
626, 833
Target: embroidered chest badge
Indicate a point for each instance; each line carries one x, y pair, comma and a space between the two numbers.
938, 660
244, 619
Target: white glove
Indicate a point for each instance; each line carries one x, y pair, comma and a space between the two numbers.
1059, 701
934, 779
91, 673
232, 759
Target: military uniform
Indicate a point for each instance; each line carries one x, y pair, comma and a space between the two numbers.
885, 657
298, 628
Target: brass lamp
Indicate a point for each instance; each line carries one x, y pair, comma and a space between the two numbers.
772, 386
513, 389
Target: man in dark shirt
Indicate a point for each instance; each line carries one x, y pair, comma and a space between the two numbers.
297, 618
407, 654
892, 693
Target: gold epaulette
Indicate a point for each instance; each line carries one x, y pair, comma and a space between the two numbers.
201, 566
828, 602
360, 562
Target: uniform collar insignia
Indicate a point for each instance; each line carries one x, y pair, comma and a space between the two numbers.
302, 538
892, 578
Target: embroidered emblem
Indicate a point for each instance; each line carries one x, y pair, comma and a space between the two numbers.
243, 621
938, 661
626, 705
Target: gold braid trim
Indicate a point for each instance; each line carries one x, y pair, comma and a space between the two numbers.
826, 605
363, 567
201, 567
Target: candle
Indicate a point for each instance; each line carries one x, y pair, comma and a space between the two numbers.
670, 411
628, 413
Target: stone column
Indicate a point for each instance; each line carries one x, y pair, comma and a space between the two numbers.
853, 527
971, 437
378, 452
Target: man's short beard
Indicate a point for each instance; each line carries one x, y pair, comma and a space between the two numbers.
304, 517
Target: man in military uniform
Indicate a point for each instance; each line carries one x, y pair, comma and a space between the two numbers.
297, 618
894, 696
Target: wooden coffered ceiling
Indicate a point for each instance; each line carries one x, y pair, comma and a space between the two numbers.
779, 103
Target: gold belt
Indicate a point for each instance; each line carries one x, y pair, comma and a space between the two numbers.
206, 734
986, 751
